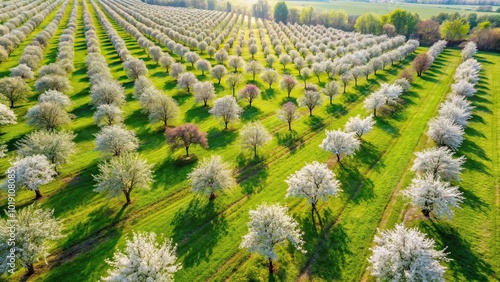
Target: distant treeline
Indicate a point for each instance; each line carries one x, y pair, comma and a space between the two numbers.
456, 2
199, 4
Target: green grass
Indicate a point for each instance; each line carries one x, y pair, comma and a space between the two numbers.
208, 233
425, 11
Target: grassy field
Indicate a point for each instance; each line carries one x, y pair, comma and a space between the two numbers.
426, 11
208, 232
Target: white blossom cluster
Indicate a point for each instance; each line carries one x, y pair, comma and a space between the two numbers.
431, 190
33, 53
54, 76
14, 33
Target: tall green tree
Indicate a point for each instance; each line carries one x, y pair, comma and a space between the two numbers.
307, 15
261, 9
455, 30
404, 21
369, 24
281, 12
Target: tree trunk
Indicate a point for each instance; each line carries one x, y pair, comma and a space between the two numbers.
31, 269
11, 104
226, 122
289, 125
202, 72
253, 77
313, 208
233, 90
254, 151
356, 81
375, 112
289, 93
127, 196
338, 158
250, 103
212, 196
344, 87
426, 213
219, 81
366, 77
331, 99
271, 270
205, 103
310, 112
38, 194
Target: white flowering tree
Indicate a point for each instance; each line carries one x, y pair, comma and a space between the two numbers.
227, 108
463, 88
404, 254
210, 176
107, 115
438, 162
340, 143
123, 174
116, 140
269, 227
254, 135
360, 126
56, 146
311, 100
218, 72
331, 90
457, 114
314, 182
144, 259
445, 132
375, 101
35, 229
203, 92
430, 194
31, 172
47, 115
7, 116
186, 80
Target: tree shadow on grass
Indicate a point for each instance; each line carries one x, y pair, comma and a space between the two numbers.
268, 94
251, 113
356, 186
471, 164
164, 178
329, 256
470, 131
197, 114
387, 126
349, 97
79, 256
199, 224
290, 139
218, 138
337, 110
464, 260
181, 97
314, 122
474, 202
252, 173
472, 148
170, 85
477, 119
